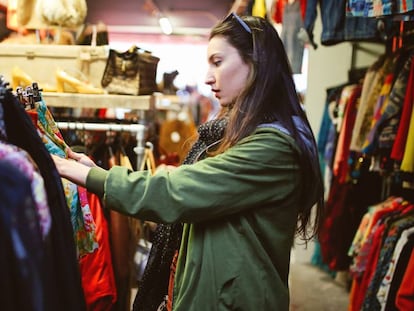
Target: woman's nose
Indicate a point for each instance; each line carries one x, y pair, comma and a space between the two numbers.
209, 78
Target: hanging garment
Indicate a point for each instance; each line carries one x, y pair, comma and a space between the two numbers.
373, 81
98, 280
404, 299
60, 251
360, 237
366, 260
277, 15
124, 236
381, 103
259, 8
22, 257
384, 288
401, 270
372, 8
18, 157
291, 25
345, 204
401, 138
337, 27
385, 129
370, 251
407, 163
349, 97
393, 232
362, 243
276, 8
76, 196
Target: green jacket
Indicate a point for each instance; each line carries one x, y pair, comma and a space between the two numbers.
240, 211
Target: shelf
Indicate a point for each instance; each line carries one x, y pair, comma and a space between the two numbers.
169, 102
77, 100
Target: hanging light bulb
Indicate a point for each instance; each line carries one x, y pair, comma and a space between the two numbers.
165, 25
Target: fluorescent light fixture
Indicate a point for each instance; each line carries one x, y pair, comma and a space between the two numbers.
165, 25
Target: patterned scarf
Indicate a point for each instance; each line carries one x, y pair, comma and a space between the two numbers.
167, 238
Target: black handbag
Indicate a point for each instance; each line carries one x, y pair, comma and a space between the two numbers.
132, 72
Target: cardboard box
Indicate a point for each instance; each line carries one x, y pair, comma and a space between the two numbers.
40, 61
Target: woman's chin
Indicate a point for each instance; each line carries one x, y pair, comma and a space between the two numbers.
224, 103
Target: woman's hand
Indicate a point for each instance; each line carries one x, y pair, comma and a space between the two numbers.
72, 170
81, 158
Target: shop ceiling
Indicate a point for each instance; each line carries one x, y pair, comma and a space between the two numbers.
187, 16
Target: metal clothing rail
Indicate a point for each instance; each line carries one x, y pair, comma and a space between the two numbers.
139, 129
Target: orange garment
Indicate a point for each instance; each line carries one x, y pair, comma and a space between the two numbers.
373, 241
96, 269
349, 102
278, 7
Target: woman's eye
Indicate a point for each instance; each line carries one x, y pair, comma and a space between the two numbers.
217, 63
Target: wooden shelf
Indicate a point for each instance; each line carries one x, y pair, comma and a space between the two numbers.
77, 100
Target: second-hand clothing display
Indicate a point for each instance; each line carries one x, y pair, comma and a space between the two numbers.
61, 249
339, 27
60, 259
369, 216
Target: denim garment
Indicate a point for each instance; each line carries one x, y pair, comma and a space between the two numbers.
337, 27
292, 22
370, 8
404, 6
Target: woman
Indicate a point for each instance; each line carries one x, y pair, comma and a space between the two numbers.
247, 194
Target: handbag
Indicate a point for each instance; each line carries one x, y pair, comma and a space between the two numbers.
68, 13
132, 72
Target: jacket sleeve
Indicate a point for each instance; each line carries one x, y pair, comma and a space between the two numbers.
262, 169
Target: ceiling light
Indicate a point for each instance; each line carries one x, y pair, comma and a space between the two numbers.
165, 25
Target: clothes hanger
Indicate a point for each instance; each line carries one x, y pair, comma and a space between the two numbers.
148, 160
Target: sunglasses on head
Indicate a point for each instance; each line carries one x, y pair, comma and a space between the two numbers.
239, 20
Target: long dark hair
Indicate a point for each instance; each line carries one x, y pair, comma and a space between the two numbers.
270, 95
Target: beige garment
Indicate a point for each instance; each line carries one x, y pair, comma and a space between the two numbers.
371, 88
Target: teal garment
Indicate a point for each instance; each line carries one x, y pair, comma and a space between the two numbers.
84, 227
240, 210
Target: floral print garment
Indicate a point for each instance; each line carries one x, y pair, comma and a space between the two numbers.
82, 221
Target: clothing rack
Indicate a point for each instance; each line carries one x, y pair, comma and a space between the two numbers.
139, 129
